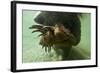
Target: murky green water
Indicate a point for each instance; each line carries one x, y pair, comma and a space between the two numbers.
32, 51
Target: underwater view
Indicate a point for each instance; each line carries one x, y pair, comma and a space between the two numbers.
32, 51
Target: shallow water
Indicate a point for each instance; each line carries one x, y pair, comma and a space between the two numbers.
32, 51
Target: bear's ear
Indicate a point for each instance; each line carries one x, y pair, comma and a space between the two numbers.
40, 18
